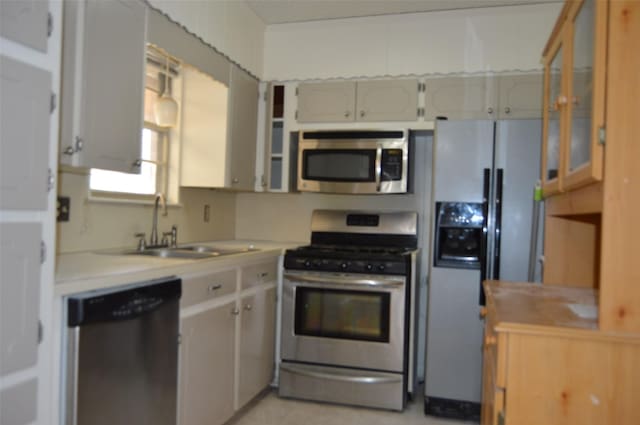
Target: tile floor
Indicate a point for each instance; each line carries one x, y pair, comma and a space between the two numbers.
272, 410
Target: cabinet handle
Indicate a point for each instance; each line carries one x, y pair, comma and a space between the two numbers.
347, 114
575, 100
483, 312
362, 113
213, 288
507, 110
235, 311
489, 110
248, 307
235, 181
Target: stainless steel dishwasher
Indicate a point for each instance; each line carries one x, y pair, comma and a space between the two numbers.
122, 355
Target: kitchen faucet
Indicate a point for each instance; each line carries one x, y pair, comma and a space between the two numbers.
153, 239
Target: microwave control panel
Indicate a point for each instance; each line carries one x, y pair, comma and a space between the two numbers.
391, 164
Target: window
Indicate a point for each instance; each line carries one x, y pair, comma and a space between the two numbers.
154, 144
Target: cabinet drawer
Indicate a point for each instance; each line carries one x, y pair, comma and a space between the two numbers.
259, 274
197, 289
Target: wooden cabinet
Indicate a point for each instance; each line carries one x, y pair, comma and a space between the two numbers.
103, 82
243, 127
26, 22
228, 337
547, 363
206, 366
364, 101
484, 98
574, 103
24, 131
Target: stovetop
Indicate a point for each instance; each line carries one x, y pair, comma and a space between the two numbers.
349, 259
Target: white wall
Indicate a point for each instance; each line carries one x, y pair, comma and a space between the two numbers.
229, 26
471, 40
100, 225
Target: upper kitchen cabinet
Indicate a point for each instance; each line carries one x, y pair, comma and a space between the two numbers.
326, 102
478, 98
26, 22
520, 96
243, 127
103, 81
364, 101
24, 130
457, 98
574, 112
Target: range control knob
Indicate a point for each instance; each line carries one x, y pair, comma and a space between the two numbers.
307, 263
381, 267
369, 267
344, 266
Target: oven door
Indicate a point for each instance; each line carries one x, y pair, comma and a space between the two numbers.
353, 166
344, 320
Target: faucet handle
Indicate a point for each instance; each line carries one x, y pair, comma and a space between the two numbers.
165, 238
141, 242
174, 236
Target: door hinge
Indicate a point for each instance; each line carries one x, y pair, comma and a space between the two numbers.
296, 91
602, 135
51, 180
40, 332
266, 95
179, 339
52, 105
49, 24
43, 252
296, 114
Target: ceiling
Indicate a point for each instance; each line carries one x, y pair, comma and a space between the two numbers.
284, 11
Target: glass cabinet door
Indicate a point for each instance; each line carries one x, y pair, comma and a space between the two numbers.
582, 134
555, 101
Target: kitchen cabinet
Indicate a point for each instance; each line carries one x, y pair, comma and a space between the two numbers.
26, 22
501, 97
227, 340
243, 126
203, 130
574, 103
103, 81
363, 101
539, 342
207, 372
24, 131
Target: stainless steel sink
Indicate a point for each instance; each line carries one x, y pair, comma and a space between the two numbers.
193, 252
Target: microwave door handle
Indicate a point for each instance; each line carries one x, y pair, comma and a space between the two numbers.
378, 169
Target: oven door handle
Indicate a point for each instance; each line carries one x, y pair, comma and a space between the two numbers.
377, 282
378, 169
362, 379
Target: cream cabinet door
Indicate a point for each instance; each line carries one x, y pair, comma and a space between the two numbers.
520, 96
19, 295
326, 102
103, 84
257, 340
207, 366
243, 104
25, 22
387, 100
24, 132
460, 98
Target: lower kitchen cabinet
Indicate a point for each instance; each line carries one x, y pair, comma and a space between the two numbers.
227, 341
206, 359
546, 362
257, 343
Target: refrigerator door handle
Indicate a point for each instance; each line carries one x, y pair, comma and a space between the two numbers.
498, 223
486, 187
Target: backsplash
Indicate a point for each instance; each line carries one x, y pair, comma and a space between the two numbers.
96, 225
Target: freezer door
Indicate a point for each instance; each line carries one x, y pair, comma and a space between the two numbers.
517, 153
463, 149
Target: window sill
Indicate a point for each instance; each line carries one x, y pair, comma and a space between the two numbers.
127, 201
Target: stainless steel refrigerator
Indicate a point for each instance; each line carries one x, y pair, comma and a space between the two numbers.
483, 178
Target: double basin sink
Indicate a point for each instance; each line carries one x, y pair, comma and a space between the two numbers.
187, 252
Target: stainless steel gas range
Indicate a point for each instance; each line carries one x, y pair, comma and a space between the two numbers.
348, 310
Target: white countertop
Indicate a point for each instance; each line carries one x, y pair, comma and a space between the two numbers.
87, 271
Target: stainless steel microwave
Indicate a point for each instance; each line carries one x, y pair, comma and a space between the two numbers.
354, 161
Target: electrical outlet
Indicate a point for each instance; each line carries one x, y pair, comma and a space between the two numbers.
64, 207
207, 213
